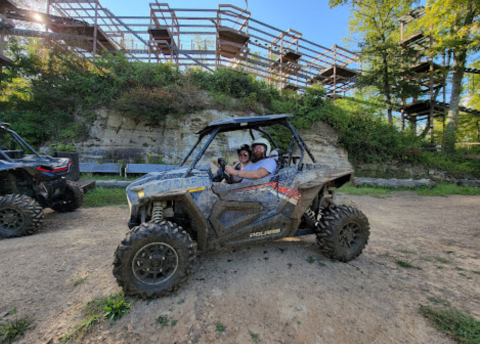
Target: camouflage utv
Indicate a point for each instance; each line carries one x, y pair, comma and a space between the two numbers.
176, 212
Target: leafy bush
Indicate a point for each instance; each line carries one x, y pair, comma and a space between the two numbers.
454, 164
233, 84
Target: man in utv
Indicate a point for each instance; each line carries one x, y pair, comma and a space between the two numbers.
261, 167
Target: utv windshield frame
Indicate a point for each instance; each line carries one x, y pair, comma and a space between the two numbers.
25, 146
244, 123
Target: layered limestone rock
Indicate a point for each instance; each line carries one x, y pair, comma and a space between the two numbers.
116, 138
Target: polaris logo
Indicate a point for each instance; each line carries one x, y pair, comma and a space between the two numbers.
259, 234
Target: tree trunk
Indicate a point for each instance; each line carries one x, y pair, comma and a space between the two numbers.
386, 87
389, 114
452, 116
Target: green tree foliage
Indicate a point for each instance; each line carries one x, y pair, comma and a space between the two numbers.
375, 23
233, 84
454, 25
469, 124
49, 87
363, 131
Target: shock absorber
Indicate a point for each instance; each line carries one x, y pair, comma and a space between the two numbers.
157, 212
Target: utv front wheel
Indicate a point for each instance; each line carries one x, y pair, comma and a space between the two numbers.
342, 232
71, 199
19, 215
153, 260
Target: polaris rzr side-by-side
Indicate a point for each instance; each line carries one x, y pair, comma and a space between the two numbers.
30, 182
174, 212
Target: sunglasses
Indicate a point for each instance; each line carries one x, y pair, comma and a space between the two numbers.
243, 154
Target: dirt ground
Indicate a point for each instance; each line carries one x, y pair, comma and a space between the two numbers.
284, 292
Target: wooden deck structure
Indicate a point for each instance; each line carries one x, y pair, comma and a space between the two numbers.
429, 76
224, 37
164, 31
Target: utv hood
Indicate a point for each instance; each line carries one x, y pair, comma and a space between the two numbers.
158, 182
47, 165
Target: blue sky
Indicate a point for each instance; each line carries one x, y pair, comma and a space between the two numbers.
314, 19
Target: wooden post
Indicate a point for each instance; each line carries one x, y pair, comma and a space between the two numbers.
149, 44
335, 73
95, 33
431, 95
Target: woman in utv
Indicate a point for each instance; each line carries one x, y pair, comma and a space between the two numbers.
244, 157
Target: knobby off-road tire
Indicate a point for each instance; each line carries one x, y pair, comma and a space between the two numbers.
153, 260
342, 232
19, 215
72, 199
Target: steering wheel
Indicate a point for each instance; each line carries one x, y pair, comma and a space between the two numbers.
221, 173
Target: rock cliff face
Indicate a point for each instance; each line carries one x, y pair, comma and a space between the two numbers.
113, 138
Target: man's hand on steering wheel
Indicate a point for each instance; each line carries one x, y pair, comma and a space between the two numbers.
230, 170
222, 170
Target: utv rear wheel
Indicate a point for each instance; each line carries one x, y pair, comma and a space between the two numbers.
153, 260
71, 199
19, 215
342, 232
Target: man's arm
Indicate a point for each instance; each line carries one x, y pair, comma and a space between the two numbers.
258, 174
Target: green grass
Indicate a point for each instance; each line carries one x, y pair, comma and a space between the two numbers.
79, 280
102, 197
162, 320
80, 330
439, 190
254, 337
407, 251
165, 321
447, 189
442, 260
97, 176
14, 328
111, 307
219, 327
405, 264
461, 327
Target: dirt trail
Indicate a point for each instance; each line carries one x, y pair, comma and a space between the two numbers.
286, 291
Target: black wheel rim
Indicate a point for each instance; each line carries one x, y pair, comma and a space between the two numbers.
155, 263
349, 235
11, 219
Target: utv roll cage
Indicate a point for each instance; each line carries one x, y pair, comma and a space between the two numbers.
9, 154
250, 123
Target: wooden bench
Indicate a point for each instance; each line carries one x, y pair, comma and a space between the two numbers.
93, 167
147, 168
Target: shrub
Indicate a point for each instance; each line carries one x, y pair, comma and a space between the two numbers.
152, 105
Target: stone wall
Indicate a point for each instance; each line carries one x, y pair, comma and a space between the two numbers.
402, 170
114, 138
